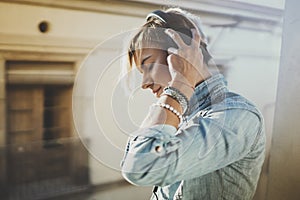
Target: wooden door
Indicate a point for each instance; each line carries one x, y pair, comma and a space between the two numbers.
39, 157
43, 158
24, 131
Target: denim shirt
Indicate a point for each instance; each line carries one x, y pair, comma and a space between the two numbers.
217, 153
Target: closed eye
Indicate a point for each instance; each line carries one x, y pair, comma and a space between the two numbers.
147, 67
151, 66
142, 65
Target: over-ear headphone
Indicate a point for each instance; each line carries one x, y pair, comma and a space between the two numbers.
165, 18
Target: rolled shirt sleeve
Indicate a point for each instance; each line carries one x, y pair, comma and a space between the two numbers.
162, 155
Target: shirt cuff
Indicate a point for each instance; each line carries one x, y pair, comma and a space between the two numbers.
161, 131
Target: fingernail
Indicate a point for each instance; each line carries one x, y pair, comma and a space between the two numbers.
170, 33
168, 30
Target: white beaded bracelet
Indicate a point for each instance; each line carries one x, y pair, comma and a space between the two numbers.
170, 108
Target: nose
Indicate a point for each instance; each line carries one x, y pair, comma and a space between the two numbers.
147, 82
147, 85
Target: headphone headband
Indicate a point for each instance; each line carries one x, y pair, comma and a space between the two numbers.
161, 15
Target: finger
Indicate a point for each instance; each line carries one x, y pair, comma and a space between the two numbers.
196, 37
172, 50
196, 29
169, 60
175, 37
170, 63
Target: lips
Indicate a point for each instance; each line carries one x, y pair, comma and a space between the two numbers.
156, 91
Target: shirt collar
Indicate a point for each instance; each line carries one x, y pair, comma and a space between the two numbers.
209, 91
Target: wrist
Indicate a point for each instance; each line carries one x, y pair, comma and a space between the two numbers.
184, 87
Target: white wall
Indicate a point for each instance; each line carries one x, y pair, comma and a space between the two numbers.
284, 181
106, 115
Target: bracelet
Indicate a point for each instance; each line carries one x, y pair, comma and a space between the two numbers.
178, 96
170, 108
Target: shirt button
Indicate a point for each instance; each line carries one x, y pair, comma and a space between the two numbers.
158, 149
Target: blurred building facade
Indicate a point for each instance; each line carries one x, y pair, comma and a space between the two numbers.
44, 43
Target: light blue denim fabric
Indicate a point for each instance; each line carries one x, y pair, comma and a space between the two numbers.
217, 153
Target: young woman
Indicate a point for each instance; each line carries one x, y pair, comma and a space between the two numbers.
199, 141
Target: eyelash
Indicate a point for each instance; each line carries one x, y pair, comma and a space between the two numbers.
149, 68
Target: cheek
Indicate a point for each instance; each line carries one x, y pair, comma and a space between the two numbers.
162, 75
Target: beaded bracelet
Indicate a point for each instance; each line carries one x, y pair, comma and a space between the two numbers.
170, 108
178, 96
